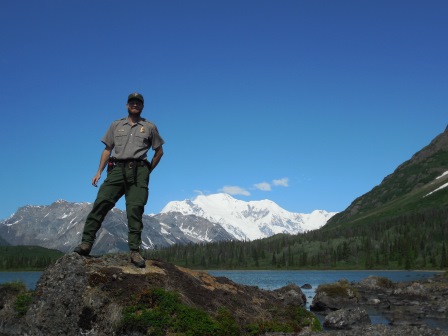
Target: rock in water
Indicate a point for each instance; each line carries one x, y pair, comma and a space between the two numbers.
346, 318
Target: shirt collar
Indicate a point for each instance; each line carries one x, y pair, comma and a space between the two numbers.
126, 121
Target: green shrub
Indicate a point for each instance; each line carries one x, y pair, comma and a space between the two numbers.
23, 298
306, 318
159, 312
316, 326
22, 303
227, 323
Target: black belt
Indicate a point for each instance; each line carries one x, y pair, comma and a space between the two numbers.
129, 163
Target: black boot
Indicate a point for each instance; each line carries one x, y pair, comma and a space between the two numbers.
137, 259
83, 249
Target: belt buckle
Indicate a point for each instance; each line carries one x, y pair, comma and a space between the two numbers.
131, 164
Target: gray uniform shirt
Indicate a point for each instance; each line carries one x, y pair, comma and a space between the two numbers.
132, 141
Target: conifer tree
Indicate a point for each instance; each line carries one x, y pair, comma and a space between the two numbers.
443, 259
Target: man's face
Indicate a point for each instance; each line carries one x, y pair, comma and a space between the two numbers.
135, 106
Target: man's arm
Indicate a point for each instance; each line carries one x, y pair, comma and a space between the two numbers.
158, 153
105, 155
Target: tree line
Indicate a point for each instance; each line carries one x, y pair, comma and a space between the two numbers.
26, 257
411, 241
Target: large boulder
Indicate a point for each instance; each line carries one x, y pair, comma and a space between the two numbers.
346, 318
291, 294
331, 297
374, 282
99, 296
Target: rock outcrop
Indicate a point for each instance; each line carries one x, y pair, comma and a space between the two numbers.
412, 308
108, 296
406, 303
331, 297
346, 318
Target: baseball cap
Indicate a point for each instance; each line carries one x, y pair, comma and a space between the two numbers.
136, 95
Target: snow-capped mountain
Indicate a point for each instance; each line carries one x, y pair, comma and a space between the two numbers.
60, 225
204, 219
249, 220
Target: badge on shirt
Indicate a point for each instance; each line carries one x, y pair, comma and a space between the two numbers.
142, 130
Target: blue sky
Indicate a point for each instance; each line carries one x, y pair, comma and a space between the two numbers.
307, 103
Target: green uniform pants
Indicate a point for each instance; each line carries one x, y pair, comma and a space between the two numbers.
120, 181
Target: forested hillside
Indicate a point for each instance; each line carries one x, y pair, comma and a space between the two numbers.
26, 258
415, 241
400, 224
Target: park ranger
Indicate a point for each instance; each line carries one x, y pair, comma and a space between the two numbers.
130, 139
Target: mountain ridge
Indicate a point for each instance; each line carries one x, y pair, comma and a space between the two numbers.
404, 189
60, 224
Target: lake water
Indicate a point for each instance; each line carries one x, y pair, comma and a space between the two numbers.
274, 279
28, 278
268, 279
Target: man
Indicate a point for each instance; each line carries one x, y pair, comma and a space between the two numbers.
128, 174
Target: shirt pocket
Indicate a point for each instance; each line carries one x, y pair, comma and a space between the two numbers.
141, 140
120, 139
